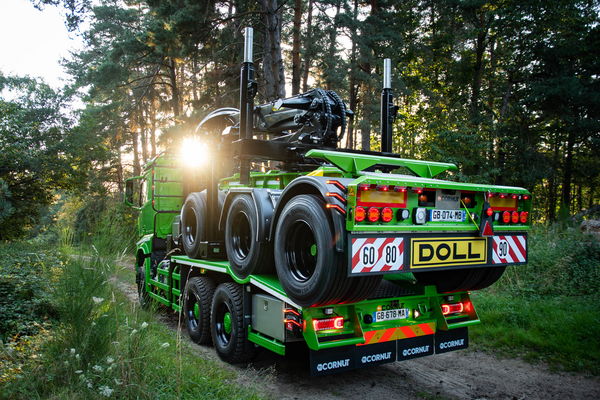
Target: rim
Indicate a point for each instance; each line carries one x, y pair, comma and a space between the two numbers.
241, 234
193, 310
223, 324
190, 228
301, 251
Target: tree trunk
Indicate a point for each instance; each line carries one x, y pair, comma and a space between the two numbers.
353, 86
552, 186
153, 128
272, 61
136, 156
175, 99
296, 67
568, 171
308, 48
478, 67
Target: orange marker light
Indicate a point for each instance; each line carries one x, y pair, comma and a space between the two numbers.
373, 214
360, 214
387, 214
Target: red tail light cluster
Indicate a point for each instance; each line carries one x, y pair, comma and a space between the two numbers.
373, 214
328, 323
455, 308
515, 217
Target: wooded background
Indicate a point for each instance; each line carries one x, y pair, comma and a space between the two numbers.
509, 90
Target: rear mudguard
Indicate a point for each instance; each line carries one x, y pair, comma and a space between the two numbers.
331, 190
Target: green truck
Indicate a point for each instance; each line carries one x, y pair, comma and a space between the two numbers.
268, 234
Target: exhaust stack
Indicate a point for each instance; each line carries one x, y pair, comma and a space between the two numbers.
387, 107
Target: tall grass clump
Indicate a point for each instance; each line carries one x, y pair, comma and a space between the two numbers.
94, 343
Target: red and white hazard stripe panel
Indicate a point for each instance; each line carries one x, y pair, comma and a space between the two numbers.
376, 255
509, 249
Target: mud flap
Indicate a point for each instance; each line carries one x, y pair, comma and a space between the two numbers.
331, 361
454, 339
416, 347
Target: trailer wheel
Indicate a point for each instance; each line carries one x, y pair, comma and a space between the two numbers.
193, 220
247, 254
309, 268
361, 288
491, 276
445, 281
227, 324
196, 308
458, 280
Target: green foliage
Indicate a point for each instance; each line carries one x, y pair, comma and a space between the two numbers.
562, 261
102, 345
25, 297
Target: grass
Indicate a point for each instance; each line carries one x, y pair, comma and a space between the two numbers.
68, 333
561, 331
548, 310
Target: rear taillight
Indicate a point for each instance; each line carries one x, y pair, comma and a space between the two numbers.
364, 187
523, 217
489, 211
387, 214
506, 217
328, 323
373, 214
455, 308
514, 217
383, 188
360, 214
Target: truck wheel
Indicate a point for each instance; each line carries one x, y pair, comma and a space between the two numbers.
309, 268
193, 220
227, 324
247, 254
196, 308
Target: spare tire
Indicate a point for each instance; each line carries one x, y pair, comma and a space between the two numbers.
310, 270
246, 253
193, 221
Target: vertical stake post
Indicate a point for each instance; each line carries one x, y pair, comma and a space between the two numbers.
387, 105
247, 93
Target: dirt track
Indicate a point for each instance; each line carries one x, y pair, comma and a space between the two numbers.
456, 375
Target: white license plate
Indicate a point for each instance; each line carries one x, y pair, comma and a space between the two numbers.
390, 315
447, 215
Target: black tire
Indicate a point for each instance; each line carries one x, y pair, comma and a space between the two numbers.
309, 268
445, 281
246, 253
193, 221
460, 280
197, 303
491, 276
228, 334
361, 288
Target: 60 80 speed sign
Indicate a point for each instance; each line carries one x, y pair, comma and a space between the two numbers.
377, 255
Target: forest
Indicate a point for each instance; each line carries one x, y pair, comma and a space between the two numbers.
508, 90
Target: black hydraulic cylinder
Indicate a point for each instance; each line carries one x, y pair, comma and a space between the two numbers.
387, 106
